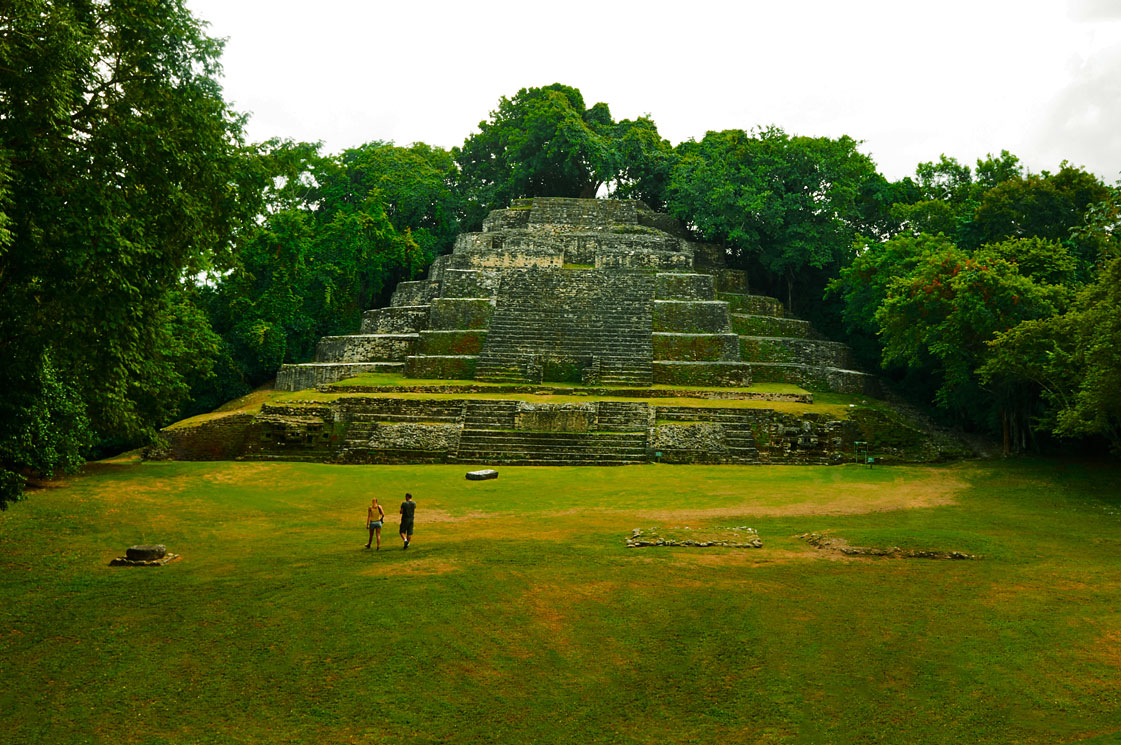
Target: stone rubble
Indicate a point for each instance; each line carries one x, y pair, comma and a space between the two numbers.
826, 543
640, 538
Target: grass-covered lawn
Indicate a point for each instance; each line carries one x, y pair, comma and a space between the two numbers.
519, 616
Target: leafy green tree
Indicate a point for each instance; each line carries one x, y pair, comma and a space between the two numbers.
862, 286
941, 315
947, 195
415, 185
995, 169
645, 163
1039, 206
123, 175
1074, 358
783, 205
337, 236
543, 142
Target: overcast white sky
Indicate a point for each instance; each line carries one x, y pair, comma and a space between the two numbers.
1041, 78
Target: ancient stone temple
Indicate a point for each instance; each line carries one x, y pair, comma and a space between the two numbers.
583, 291
569, 332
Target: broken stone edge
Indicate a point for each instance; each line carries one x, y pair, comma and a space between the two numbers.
825, 543
124, 561
636, 540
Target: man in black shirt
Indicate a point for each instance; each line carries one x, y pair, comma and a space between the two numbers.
408, 507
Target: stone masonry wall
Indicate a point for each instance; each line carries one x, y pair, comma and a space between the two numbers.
397, 430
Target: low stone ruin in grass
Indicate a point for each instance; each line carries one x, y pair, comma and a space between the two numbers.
150, 555
727, 537
831, 543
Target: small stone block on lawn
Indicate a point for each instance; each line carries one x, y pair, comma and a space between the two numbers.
147, 552
154, 555
487, 473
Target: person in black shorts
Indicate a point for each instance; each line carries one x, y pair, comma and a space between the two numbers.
408, 508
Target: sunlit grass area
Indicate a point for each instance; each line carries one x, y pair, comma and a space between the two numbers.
518, 614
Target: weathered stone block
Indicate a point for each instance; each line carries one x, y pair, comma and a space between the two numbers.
366, 348
709, 347
639, 260
663, 222
555, 417
708, 256
754, 305
455, 342
445, 367
147, 552
475, 283
696, 437
524, 257
691, 316
460, 313
399, 320
721, 374
684, 286
408, 436
749, 325
311, 374
831, 379
222, 438
815, 352
415, 293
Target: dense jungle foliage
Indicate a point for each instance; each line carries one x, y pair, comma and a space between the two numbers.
154, 264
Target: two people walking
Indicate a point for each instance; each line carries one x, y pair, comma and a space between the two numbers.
375, 519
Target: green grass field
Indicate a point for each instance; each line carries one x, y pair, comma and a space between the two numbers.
518, 615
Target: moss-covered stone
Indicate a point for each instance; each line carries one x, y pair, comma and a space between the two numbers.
751, 325
447, 367
684, 286
455, 342
720, 374
691, 316
460, 313
707, 347
755, 305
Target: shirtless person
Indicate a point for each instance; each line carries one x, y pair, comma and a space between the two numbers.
408, 507
375, 517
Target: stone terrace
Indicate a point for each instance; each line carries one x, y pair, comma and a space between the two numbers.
577, 291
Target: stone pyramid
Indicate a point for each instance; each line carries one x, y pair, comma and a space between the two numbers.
583, 291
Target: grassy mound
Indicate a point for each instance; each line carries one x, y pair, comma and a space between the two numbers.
519, 615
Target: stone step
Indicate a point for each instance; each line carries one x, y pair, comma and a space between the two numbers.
752, 325
414, 293
400, 320
684, 286
590, 438
698, 347
530, 461
311, 374
691, 316
718, 374
756, 305
366, 348
442, 366
814, 378
803, 351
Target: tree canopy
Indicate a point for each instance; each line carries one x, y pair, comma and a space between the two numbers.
122, 175
780, 204
544, 142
